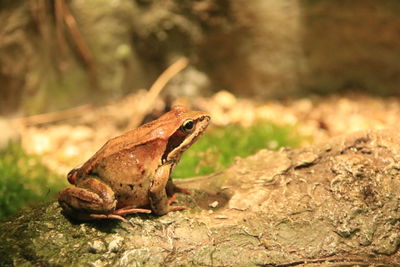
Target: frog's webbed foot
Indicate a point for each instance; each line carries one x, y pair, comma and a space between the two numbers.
106, 216
116, 215
172, 199
176, 208
127, 210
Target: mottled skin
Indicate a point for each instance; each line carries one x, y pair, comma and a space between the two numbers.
131, 172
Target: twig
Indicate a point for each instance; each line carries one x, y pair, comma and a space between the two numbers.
39, 15
59, 14
156, 89
53, 116
83, 49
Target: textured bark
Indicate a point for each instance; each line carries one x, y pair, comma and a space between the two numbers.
334, 204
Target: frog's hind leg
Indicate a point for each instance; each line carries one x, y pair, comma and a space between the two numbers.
89, 199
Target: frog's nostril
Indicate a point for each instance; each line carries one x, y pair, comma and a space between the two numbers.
202, 118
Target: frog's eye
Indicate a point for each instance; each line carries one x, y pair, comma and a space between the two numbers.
187, 126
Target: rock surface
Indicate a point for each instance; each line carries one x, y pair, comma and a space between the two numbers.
333, 204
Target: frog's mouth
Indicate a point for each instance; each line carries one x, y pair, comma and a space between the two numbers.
180, 142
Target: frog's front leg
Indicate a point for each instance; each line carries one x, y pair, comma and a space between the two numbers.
89, 199
158, 192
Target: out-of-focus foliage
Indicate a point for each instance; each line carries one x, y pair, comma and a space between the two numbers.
24, 181
219, 147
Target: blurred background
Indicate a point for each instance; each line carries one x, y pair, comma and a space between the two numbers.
280, 72
58, 54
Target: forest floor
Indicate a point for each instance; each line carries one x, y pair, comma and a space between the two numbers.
66, 139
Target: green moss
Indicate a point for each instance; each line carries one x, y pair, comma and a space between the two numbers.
24, 181
218, 148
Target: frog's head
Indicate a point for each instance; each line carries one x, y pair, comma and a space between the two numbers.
189, 126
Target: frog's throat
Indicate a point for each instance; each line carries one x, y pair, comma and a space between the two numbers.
201, 125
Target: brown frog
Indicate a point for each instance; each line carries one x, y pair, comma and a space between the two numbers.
132, 171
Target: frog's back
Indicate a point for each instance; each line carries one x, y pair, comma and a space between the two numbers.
148, 135
132, 163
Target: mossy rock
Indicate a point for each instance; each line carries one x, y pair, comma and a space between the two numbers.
333, 204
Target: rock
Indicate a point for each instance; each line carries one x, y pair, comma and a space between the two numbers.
96, 246
312, 207
114, 243
213, 204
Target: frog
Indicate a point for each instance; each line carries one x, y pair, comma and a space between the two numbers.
131, 173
